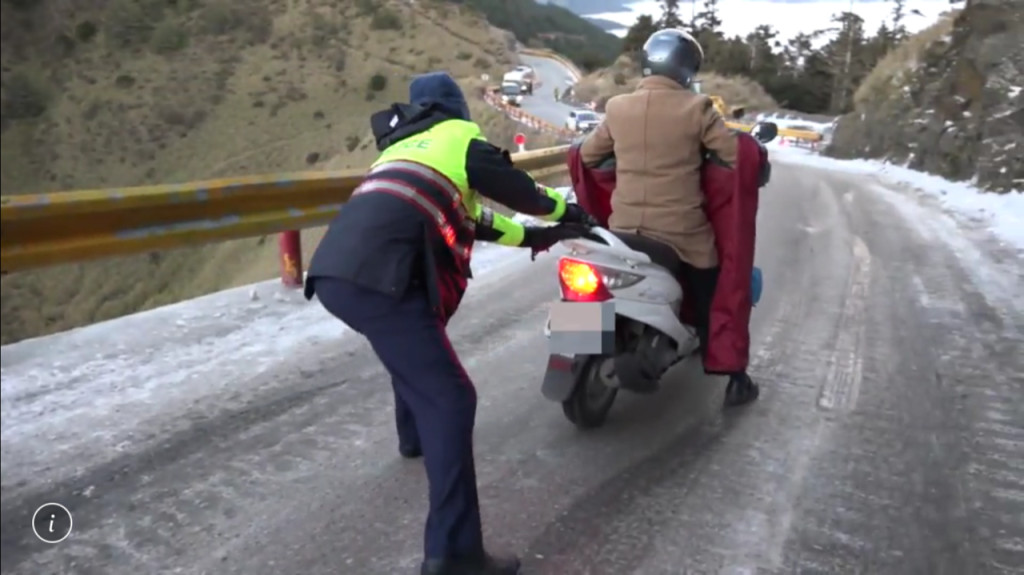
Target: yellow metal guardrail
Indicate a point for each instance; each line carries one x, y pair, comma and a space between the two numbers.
39, 230
807, 135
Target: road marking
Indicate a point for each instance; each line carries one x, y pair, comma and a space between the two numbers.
845, 366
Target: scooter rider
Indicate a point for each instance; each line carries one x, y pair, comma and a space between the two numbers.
394, 265
659, 135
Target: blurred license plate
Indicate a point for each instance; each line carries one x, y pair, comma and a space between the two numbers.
586, 328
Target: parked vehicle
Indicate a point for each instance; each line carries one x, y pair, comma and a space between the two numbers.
512, 93
582, 121
523, 78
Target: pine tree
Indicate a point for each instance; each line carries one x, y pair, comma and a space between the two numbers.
670, 14
815, 72
708, 20
879, 45
845, 54
638, 33
764, 62
898, 33
720, 55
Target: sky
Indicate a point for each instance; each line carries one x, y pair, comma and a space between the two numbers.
790, 17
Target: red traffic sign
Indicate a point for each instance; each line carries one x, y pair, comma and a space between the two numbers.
520, 139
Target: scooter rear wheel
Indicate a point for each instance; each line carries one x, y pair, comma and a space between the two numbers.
591, 400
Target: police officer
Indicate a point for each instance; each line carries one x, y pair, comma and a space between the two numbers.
394, 265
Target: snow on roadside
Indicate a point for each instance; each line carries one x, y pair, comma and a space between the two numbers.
1002, 214
63, 391
259, 309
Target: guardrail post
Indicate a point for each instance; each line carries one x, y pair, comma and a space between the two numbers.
290, 250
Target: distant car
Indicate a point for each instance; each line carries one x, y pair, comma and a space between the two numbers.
522, 77
512, 93
528, 73
582, 121
526, 70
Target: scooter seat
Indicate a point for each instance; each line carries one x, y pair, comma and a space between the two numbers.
660, 253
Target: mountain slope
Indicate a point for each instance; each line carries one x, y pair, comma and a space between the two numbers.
105, 93
551, 27
623, 75
949, 101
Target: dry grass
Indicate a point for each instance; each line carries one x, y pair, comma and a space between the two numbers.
624, 74
889, 74
287, 86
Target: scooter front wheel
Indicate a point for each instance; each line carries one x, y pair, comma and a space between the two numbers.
592, 399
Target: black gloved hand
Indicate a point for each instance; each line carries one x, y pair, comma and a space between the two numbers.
766, 174
574, 214
541, 238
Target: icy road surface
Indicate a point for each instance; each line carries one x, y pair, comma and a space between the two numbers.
231, 436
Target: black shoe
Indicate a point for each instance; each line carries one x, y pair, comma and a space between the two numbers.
741, 390
486, 565
410, 451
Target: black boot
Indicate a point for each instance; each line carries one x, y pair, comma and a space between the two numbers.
741, 390
484, 565
409, 451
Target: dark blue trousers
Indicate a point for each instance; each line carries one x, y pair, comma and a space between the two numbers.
433, 392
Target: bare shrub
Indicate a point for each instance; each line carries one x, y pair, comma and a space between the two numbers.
26, 94
222, 17
168, 37
130, 23
377, 83
385, 19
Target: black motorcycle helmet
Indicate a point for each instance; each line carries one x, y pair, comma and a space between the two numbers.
674, 54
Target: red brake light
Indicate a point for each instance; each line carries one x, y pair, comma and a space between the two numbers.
581, 281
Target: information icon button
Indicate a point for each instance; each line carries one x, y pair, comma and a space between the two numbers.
52, 523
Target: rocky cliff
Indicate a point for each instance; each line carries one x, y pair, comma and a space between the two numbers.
949, 101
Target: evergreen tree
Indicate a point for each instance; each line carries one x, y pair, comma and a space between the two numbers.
638, 33
708, 20
670, 14
720, 55
764, 60
898, 33
879, 45
845, 55
815, 72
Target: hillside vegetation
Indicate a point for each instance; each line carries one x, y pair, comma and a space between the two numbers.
948, 100
624, 74
552, 27
105, 93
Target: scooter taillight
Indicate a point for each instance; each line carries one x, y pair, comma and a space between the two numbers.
581, 281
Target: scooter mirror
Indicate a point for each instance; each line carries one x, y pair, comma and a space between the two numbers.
765, 132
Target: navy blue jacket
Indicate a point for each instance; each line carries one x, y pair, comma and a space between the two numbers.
381, 242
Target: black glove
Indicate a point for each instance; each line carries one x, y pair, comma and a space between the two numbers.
574, 214
766, 174
541, 238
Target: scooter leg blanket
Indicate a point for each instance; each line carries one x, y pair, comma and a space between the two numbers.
732, 201
593, 186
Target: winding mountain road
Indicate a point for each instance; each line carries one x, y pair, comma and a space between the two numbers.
543, 104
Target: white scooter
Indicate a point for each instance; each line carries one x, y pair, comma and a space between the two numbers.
617, 325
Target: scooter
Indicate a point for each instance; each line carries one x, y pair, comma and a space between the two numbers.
617, 324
